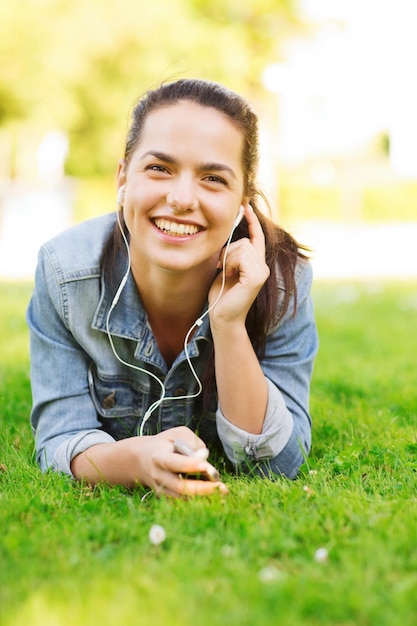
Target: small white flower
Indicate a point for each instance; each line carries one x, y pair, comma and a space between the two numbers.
157, 534
321, 555
269, 573
227, 551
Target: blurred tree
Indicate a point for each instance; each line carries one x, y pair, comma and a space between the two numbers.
260, 27
78, 66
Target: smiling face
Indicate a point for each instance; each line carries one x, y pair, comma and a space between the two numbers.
183, 188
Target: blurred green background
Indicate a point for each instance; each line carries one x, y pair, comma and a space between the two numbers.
330, 81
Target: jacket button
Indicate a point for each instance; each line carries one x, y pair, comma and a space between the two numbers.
109, 401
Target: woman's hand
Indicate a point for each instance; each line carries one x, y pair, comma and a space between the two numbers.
149, 461
245, 271
165, 471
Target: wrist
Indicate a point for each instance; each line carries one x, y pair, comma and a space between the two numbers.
222, 326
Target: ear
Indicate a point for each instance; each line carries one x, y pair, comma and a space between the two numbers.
121, 172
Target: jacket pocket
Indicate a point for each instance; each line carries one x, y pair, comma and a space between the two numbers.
118, 402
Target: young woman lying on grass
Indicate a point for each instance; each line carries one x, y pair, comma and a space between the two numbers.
185, 315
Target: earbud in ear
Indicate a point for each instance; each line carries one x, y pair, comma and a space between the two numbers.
120, 195
239, 216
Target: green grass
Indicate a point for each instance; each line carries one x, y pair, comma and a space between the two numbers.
71, 555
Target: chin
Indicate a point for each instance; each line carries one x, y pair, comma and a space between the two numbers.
179, 264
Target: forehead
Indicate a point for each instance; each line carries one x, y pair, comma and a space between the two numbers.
186, 125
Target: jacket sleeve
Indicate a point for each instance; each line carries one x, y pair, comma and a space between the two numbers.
63, 418
287, 364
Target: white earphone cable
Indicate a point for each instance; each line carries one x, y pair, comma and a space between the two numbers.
197, 323
112, 306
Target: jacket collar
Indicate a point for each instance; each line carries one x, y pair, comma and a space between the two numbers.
128, 319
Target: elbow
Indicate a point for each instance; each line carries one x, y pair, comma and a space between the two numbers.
288, 462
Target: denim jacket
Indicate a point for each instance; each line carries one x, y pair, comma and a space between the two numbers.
83, 395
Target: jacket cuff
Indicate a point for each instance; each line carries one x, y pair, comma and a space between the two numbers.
75, 445
241, 446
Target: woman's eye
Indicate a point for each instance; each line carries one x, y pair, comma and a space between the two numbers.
216, 179
156, 168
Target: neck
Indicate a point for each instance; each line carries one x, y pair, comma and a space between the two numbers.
173, 296
172, 303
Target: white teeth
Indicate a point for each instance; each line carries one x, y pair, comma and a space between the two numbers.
176, 229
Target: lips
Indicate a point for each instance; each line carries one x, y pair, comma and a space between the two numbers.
174, 228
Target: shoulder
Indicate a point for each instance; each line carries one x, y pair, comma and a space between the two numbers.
289, 303
77, 251
303, 275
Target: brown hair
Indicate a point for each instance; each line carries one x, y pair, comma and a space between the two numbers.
282, 251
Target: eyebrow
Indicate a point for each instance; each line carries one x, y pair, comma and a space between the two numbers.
209, 166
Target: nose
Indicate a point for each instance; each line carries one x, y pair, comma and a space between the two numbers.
183, 195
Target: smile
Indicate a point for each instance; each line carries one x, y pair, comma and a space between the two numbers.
173, 228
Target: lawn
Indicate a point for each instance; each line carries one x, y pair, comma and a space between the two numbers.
70, 555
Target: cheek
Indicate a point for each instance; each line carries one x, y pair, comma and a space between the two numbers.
127, 217
131, 213
224, 233
225, 218
137, 202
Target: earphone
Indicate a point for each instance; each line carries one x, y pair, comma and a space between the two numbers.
239, 217
197, 323
120, 195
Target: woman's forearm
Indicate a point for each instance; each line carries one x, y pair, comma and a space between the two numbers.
112, 463
241, 383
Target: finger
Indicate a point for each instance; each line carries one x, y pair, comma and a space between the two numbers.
164, 491
184, 463
256, 234
241, 255
182, 448
201, 487
176, 485
180, 464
